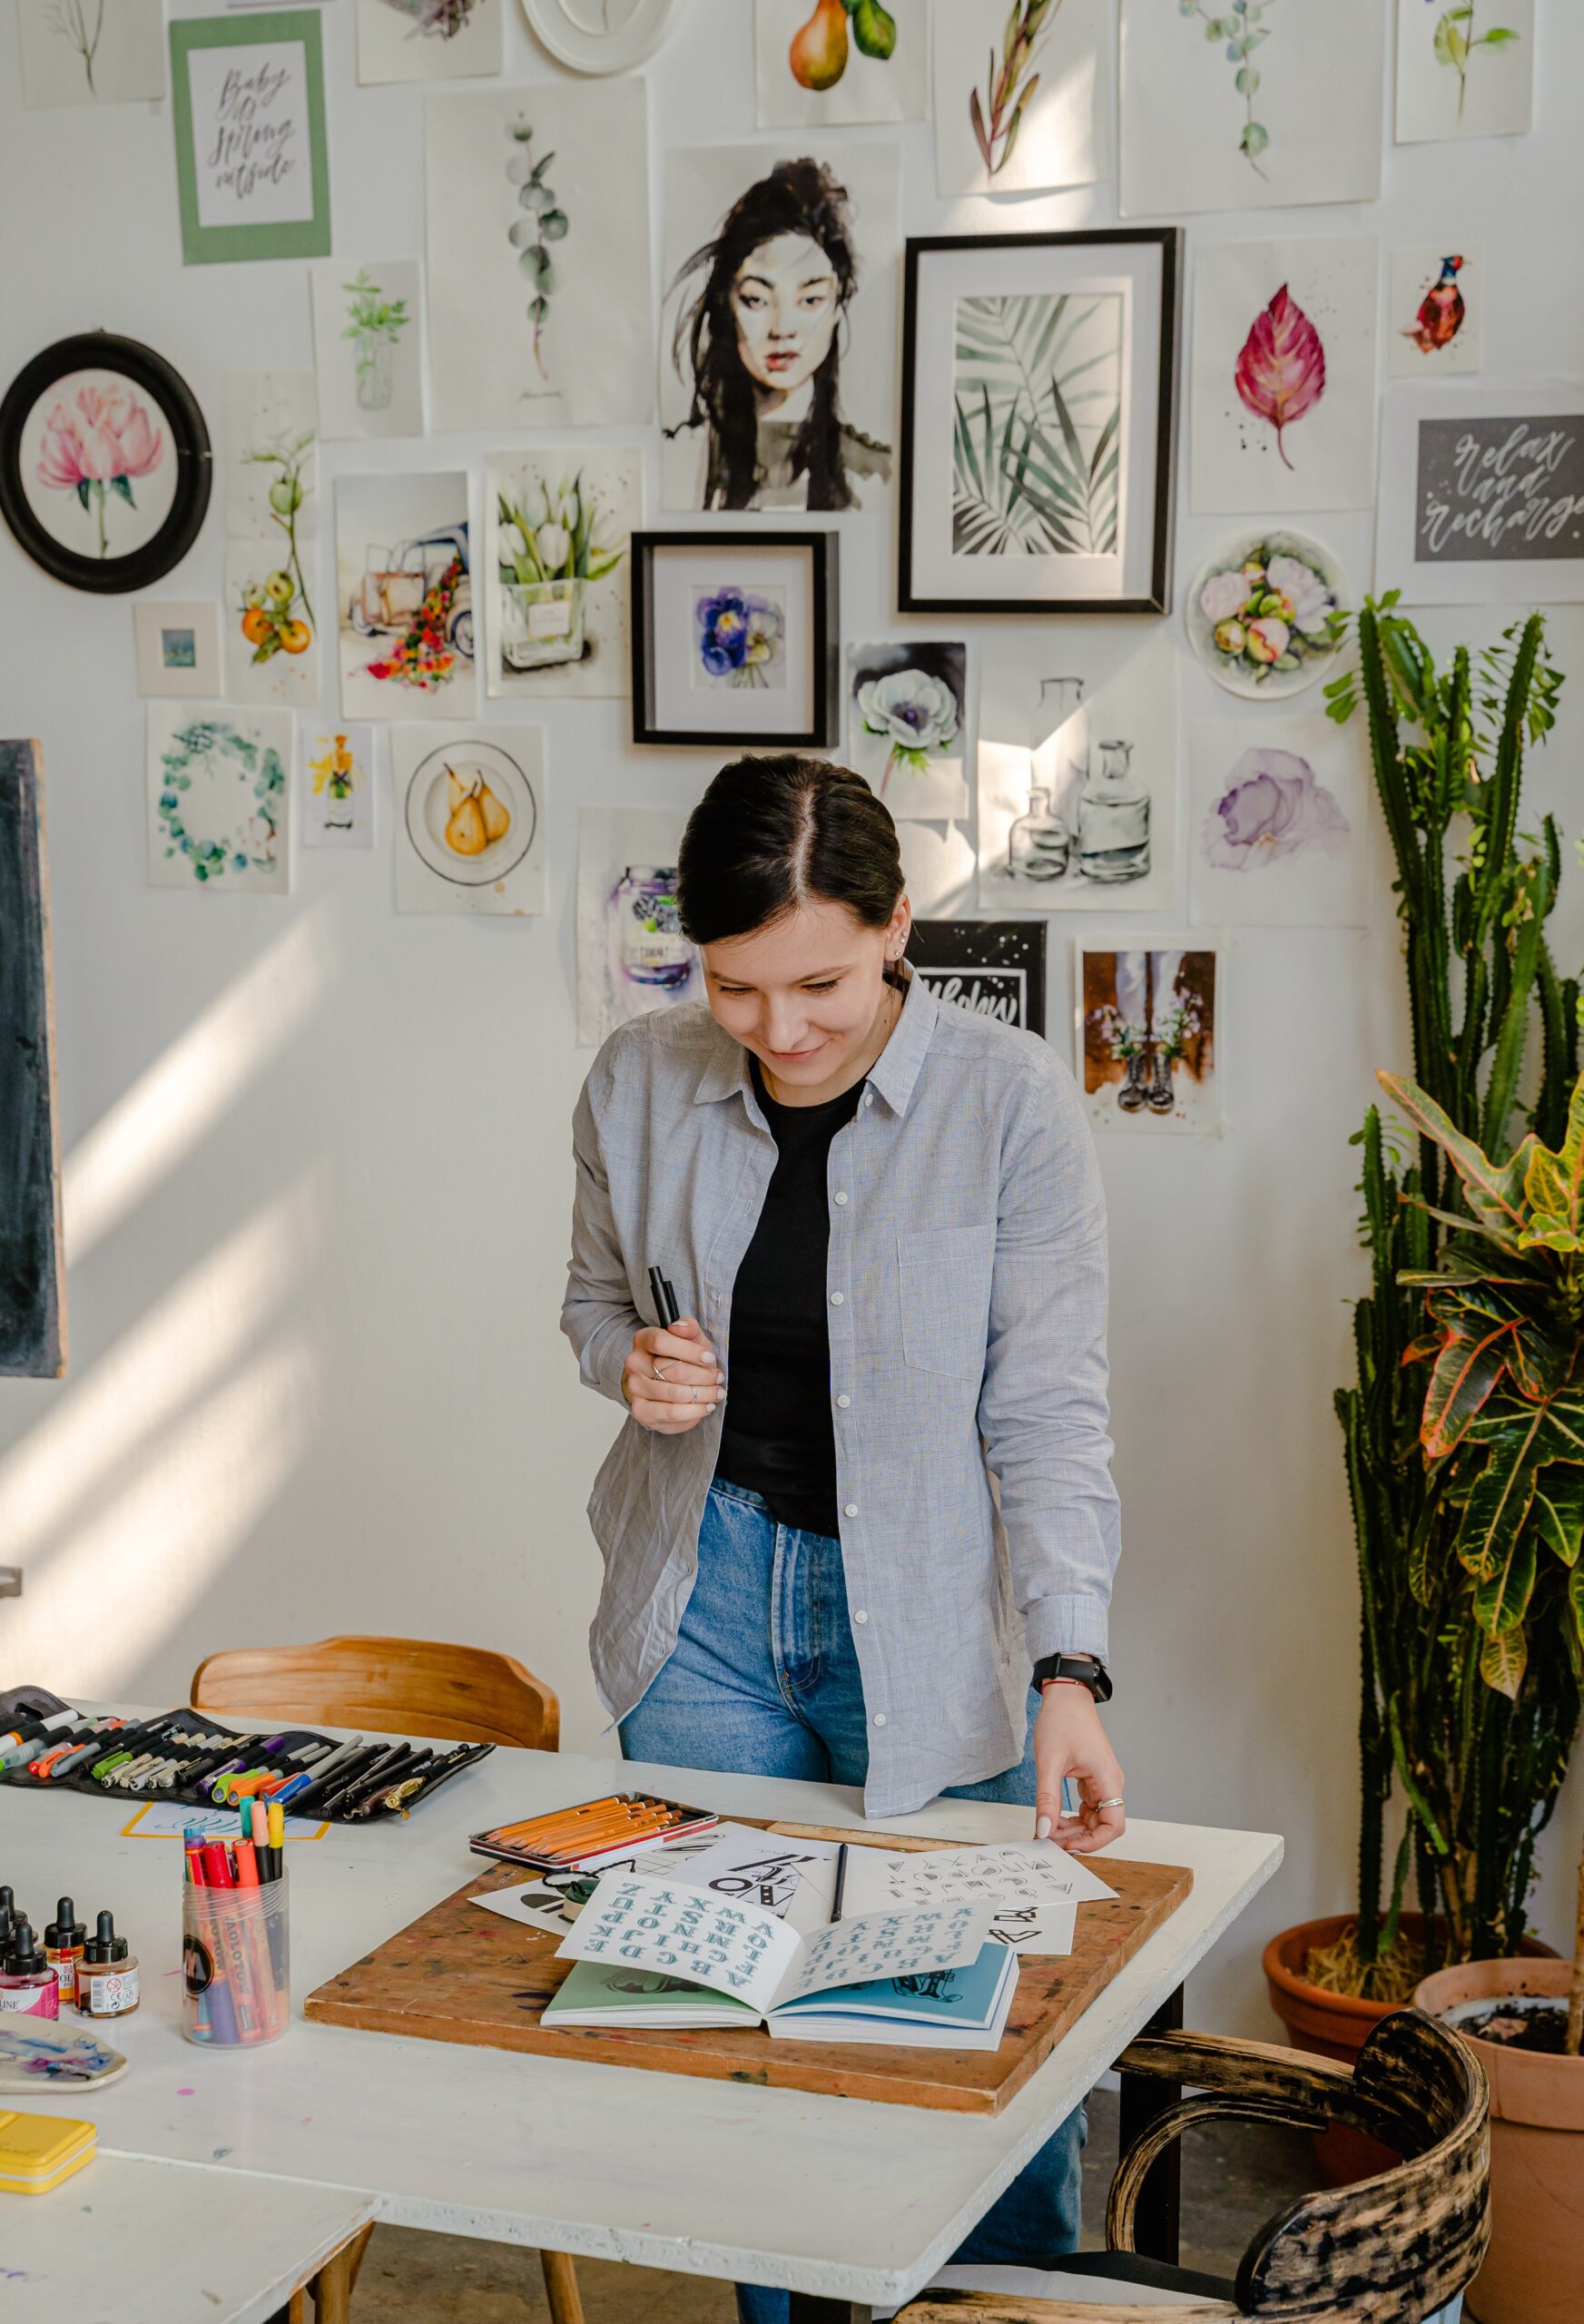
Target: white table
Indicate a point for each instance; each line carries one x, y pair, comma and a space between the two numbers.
846, 2202
125, 2242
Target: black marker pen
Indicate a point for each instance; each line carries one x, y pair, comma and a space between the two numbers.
666, 1304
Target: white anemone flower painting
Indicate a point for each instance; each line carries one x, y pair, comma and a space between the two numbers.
906, 727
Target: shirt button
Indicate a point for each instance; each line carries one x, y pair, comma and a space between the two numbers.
842, 1197
850, 1510
837, 1300
880, 1719
861, 1616
843, 1401
869, 1101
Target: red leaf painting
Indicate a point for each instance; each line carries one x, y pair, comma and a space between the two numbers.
1281, 372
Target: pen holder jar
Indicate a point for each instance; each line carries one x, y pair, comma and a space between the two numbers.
236, 1964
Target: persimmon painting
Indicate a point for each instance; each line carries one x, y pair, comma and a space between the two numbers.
1283, 370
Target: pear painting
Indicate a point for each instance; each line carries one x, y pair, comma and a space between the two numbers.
821, 47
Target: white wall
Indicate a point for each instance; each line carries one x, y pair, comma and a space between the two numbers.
317, 1155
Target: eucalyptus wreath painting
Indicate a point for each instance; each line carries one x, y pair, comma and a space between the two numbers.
1038, 425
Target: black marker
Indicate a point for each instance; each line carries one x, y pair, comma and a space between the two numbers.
664, 1299
841, 1882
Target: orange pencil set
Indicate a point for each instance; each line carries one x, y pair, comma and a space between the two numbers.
598, 1832
235, 1932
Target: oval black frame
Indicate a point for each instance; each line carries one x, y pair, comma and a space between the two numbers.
101, 350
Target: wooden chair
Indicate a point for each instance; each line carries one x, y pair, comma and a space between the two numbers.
411, 1686
1394, 2249
455, 1694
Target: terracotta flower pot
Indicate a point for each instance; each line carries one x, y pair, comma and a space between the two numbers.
1534, 2271
1335, 2026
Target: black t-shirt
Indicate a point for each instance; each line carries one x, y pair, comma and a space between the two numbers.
777, 1439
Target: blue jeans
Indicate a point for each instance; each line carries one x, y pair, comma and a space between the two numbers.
763, 1680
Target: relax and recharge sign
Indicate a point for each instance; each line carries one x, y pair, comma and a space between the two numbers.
1500, 491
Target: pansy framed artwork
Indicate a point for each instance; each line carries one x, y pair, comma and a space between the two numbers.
1040, 422
105, 467
734, 639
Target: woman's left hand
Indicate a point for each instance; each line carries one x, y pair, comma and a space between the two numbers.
1069, 1741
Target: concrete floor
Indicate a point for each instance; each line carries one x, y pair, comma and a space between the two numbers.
1235, 2177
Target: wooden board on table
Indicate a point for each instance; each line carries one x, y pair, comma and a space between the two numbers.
460, 1975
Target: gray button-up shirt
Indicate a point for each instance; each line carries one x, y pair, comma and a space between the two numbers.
966, 1294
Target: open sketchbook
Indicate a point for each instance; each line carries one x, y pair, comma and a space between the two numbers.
657, 1953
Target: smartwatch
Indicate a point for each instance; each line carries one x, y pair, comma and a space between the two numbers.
1088, 1669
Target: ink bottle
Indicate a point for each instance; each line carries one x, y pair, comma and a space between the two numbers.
28, 1982
107, 1974
63, 1948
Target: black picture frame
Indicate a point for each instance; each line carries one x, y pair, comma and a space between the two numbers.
1157, 598
1006, 958
179, 407
822, 548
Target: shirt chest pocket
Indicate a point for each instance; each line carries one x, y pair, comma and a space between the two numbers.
943, 1280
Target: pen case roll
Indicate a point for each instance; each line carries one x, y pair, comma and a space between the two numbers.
236, 1963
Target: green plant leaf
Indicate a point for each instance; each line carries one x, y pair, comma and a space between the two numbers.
1495, 1190
1466, 1371
1558, 1511
1503, 1661
1498, 1505
1576, 1601
1502, 1603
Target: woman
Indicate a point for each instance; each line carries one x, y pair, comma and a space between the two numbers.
884, 1220
762, 345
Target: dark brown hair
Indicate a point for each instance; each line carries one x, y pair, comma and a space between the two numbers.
770, 831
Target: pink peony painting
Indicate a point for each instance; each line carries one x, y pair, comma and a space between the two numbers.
97, 443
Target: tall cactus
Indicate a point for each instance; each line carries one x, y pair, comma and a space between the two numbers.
1477, 1769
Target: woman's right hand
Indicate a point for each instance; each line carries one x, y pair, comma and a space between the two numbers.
671, 1380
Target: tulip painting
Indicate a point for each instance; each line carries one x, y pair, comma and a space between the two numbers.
97, 444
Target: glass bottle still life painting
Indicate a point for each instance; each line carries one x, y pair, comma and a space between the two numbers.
1283, 376
820, 62
179, 652
1465, 68
404, 597
906, 727
368, 338
272, 518
1437, 311
1022, 94
1265, 615
338, 787
1250, 105
105, 467
428, 40
252, 160
540, 308
470, 815
632, 955
558, 530
1040, 422
219, 798
90, 52
1149, 1038
778, 365
1281, 826
1077, 777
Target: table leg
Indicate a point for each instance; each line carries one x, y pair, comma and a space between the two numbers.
1156, 2221
806, 2309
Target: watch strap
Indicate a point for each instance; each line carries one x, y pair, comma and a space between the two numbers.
1085, 1671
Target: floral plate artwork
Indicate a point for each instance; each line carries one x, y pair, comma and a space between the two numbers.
1265, 615
471, 814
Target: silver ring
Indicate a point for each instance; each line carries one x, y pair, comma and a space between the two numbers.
654, 1359
1110, 1803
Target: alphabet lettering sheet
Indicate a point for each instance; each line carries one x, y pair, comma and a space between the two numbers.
742, 1949
1034, 1889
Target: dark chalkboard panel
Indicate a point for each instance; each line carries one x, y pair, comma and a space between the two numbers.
33, 1324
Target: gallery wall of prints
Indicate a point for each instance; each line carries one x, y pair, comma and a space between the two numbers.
353, 857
